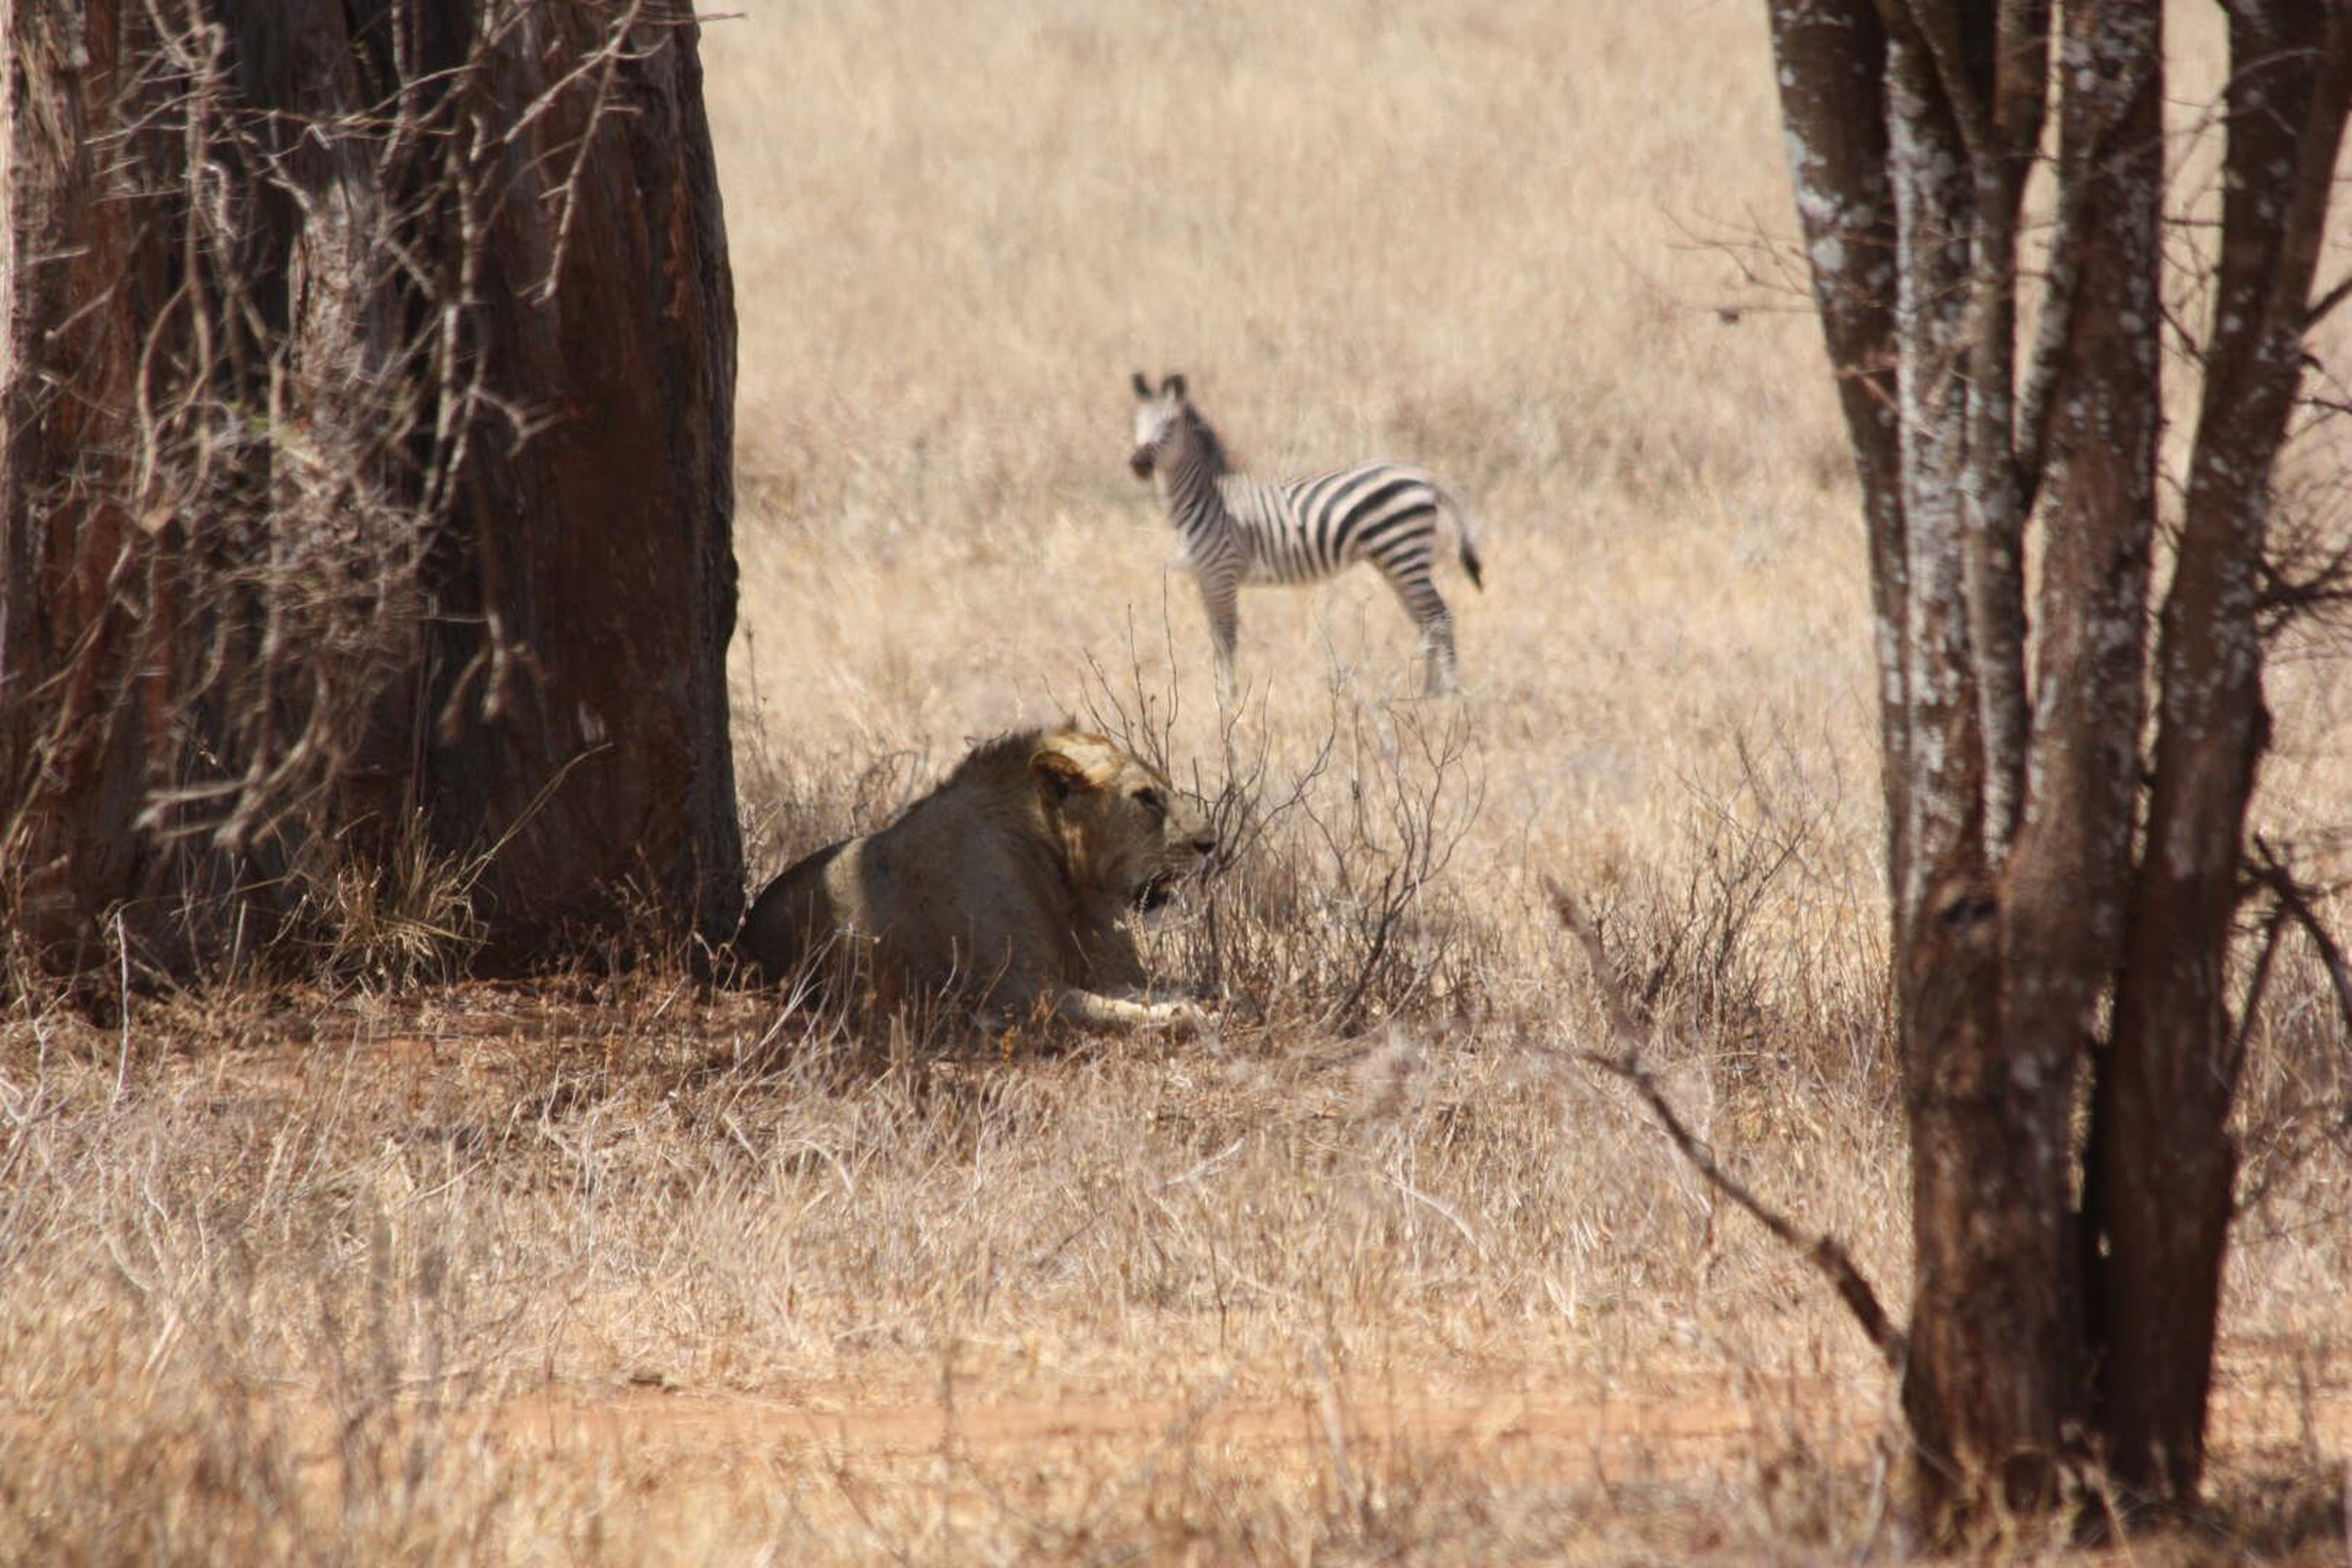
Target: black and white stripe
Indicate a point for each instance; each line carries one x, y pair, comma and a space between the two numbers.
1237, 529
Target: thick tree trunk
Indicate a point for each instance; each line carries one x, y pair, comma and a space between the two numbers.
2164, 1164
2018, 907
70, 564
1984, 1390
368, 374
603, 545
1879, 156
2065, 878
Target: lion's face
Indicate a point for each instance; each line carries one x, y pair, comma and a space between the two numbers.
1126, 831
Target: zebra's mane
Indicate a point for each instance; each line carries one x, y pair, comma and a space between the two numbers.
1212, 445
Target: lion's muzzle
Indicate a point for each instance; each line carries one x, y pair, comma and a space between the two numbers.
1159, 893
1161, 887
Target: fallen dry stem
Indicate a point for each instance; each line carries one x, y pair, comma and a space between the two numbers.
1826, 1253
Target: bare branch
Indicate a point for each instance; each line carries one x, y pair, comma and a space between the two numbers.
2273, 930
1824, 1252
2294, 903
606, 64
2313, 179
2327, 302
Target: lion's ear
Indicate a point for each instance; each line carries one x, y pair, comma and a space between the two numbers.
1057, 774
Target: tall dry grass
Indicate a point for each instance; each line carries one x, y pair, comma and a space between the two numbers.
618, 1270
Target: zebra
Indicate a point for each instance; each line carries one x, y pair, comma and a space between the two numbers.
1237, 529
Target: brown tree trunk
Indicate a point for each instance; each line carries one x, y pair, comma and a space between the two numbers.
2018, 906
70, 564
1984, 1390
1989, 1333
1830, 59
2095, 373
368, 374
2163, 1164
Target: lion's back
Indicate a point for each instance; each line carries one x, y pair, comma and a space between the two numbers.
800, 912
961, 888
944, 893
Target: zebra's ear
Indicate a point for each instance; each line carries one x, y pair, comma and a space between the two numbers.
1174, 385
1142, 386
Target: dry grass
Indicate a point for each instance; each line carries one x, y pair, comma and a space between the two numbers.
618, 1272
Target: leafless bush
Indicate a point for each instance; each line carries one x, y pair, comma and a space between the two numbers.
1747, 948
792, 805
1329, 899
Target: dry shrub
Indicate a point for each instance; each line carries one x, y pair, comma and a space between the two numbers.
2294, 1112
1751, 945
1331, 899
500, 1274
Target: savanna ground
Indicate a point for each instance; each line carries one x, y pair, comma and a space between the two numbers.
612, 1270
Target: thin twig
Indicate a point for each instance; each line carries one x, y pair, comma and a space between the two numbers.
2273, 930
123, 1055
2294, 901
2327, 302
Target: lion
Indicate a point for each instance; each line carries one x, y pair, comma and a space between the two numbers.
1010, 884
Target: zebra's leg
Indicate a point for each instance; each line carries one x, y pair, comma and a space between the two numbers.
1219, 594
1435, 624
1437, 635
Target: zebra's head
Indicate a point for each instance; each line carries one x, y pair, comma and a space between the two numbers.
1165, 421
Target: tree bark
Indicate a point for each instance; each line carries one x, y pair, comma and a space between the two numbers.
2065, 882
2019, 905
1830, 57
79, 689
1984, 1390
2164, 1164
603, 545
1878, 155
368, 374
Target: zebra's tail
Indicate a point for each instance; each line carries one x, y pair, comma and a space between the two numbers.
1465, 541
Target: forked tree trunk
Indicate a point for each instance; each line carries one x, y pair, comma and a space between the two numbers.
2018, 904
368, 374
2164, 1168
